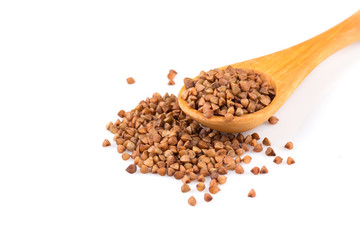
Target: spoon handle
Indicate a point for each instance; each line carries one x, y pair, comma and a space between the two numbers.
304, 57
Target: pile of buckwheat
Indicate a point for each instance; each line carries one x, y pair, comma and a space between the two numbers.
163, 140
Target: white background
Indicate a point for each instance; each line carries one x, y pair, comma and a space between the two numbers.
63, 66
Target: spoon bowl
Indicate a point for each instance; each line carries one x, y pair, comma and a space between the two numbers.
284, 70
239, 123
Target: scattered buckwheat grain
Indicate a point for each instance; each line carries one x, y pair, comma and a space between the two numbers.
255, 136
266, 142
172, 73
185, 188
213, 182
273, 120
109, 125
201, 178
270, 152
207, 197
214, 189
106, 143
263, 170
200, 186
245, 147
278, 160
252, 193
131, 168
192, 201
290, 161
121, 113
255, 170
125, 156
121, 148
214, 175
144, 169
247, 159
185, 179
221, 179
130, 80
239, 169
258, 148
289, 145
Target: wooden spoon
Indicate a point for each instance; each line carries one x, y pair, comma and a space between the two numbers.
285, 70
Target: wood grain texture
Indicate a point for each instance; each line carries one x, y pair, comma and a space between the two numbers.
285, 70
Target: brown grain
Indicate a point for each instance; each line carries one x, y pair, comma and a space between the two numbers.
239, 169
172, 73
185, 188
207, 197
131, 168
245, 147
144, 169
289, 145
290, 161
278, 160
273, 120
264, 170
255, 170
252, 193
229, 117
161, 171
200, 186
258, 148
255, 136
214, 189
186, 179
247, 159
121, 113
106, 143
125, 156
192, 201
213, 182
193, 176
222, 179
109, 125
201, 178
266, 142
270, 152
130, 80
254, 143
214, 175
121, 148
